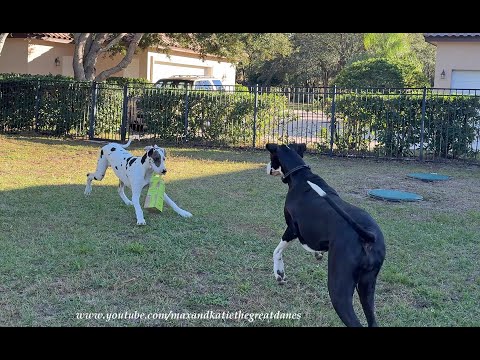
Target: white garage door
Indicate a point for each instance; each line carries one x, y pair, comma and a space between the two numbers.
465, 79
162, 70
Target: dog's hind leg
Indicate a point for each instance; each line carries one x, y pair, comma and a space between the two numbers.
121, 192
366, 293
99, 174
175, 207
341, 286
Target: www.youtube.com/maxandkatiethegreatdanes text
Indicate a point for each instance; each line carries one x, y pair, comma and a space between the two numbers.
206, 315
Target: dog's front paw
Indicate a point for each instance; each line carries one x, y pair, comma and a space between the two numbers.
88, 191
141, 222
185, 214
319, 255
281, 278
128, 203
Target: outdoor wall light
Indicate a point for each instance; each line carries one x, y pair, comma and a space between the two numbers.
57, 61
442, 74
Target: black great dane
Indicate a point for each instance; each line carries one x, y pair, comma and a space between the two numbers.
322, 221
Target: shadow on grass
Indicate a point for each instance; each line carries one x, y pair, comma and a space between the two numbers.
187, 149
63, 252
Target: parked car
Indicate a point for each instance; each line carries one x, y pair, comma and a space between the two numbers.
194, 82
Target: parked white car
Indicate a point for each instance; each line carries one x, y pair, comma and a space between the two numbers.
194, 82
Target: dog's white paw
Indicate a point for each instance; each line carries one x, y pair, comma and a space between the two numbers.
280, 277
185, 214
88, 191
128, 203
141, 222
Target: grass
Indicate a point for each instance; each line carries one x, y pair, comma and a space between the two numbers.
62, 253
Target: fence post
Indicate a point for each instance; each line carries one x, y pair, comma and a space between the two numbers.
255, 109
422, 125
332, 124
123, 127
93, 111
37, 105
186, 115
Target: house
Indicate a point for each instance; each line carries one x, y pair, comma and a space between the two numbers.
52, 53
457, 63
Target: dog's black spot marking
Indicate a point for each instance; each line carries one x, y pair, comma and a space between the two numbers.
132, 161
123, 158
95, 178
116, 167
113, 149
281, 273
150, 152
101, 153
126, 164
144, 157
88, 174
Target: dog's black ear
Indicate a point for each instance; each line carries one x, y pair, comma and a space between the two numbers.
150, 152
271, 147
301, 149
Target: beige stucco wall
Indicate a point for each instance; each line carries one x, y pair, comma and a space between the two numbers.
181, 63
14, 57
455, 56
26, 56
31, 56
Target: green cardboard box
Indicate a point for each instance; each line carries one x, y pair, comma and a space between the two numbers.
154, 198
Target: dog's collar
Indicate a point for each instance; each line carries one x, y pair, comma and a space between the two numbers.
295, 169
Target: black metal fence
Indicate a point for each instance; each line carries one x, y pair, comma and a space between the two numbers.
429, 124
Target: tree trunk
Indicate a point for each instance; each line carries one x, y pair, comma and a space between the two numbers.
78, 55
125, 61
3, 37
89, 46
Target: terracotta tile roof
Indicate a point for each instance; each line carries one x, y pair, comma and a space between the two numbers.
451, 35
60, 37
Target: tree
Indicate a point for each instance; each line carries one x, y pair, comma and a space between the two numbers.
261, 48
3, 37
425, 53
410, 50
89, 46
320, 56
387, 45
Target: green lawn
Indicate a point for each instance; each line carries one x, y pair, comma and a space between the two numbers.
62, 253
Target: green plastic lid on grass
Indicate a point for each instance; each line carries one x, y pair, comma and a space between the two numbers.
393, 195
428, 176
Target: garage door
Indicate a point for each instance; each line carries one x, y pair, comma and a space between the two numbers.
162, 69
465, 79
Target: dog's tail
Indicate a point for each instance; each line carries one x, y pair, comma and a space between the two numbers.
127, 144
364, 234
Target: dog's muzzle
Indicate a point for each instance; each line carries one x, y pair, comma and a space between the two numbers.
272, 171
157, 169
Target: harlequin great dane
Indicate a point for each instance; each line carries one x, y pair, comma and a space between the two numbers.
322, 221
134, 172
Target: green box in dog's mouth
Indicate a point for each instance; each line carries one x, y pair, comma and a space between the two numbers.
154, 198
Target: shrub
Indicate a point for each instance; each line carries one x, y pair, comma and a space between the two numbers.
394, 121
370, 73
216, 117
52, 104
121, 81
